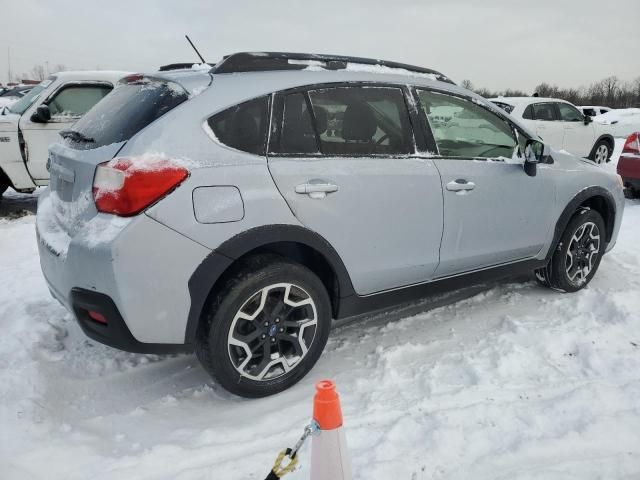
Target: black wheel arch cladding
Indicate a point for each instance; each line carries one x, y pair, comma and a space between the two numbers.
594, 197
264, 239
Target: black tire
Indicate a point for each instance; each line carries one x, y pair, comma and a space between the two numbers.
242, 288
556, 275
597, 155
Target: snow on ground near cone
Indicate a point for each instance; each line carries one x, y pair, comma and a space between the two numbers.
508, 381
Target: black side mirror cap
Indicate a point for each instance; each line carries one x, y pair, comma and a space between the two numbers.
587, 119
41, 115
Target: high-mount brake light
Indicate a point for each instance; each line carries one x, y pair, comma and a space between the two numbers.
136, 77
125, 186
632, 144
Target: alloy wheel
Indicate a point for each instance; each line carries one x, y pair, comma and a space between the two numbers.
272, 331
602, 153
582, 252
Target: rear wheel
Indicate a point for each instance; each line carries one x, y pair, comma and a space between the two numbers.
601, 152
266, 328
577, 255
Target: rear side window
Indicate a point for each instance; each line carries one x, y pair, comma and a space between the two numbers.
297, 134
76, 100
544, 111
362, 121
128, 109
243, 126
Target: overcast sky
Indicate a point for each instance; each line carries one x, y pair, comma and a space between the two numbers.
495, 43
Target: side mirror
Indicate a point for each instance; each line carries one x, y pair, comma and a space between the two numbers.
587, 119
535, 152
41, 115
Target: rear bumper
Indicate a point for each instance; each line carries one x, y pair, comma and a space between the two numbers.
115, 333
136, 276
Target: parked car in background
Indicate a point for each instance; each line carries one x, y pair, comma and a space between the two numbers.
562, 126
11, 95
215, 210
622, 122
629, 165
593, 111
31, 124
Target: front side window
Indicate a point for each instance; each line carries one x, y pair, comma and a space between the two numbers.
545, 112
76, 100
569, 113
362, 121
471, 131
244, 126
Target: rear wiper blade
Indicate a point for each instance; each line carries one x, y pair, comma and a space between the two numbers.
76, 136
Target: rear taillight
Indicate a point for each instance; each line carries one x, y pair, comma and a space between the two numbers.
632, 145
126, 186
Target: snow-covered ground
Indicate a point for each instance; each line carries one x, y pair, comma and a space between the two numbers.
509, 381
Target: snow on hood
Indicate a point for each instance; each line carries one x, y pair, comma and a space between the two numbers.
9, 121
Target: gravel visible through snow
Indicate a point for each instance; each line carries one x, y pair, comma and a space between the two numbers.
507, 381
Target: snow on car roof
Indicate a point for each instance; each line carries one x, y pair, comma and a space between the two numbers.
113, 75
526, 100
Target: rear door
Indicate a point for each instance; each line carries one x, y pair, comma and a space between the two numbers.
67, 104
578, 136
494, 213
343, 157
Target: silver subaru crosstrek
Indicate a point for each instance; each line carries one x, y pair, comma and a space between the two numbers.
236, 210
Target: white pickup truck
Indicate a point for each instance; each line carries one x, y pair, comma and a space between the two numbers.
31, 124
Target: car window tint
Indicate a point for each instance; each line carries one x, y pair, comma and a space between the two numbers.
528, 113
569, 113
589, 111
297, 134
362, 121
243, 126
462, 128
544, 111
75, 101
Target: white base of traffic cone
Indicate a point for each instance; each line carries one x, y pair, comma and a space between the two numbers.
329, 456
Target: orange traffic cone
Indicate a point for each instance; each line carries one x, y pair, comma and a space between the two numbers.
329, 455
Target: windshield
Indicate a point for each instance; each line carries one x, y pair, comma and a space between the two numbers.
25, 102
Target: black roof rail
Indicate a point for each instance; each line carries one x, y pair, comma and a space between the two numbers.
271, 61
175, 66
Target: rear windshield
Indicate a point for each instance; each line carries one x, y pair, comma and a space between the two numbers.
124, 112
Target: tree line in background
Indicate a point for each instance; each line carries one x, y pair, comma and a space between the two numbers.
608, 92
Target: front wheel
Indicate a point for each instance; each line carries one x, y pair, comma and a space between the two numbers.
577, 255
601, 152
266, 328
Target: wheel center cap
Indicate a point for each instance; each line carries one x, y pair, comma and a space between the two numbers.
273, 329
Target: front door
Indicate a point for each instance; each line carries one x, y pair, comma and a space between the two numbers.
344, 160
578, 136
494, 213
67, 104
547, 124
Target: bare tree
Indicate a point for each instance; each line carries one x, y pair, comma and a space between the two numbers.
467, 84
38, 72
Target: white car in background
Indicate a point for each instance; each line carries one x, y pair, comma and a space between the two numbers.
561, 125
593, 110
622, 122
31, 124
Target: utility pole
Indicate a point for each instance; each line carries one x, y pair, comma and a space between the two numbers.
9, 63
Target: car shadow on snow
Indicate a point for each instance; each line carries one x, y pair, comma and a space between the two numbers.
15, 205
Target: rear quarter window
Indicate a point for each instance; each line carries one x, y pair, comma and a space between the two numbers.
243, 126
